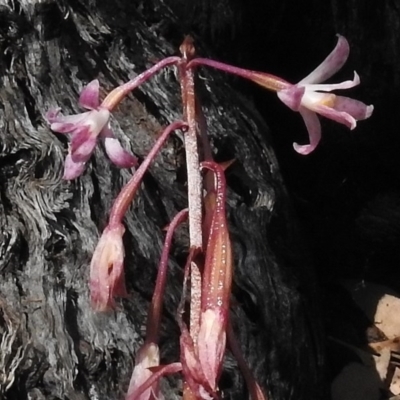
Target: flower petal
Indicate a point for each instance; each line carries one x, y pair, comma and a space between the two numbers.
211, 344
83, 143
292, 96
314, 131
157, 374
72, 169
114, 150
191, 367
335, 86
331, 64
117, 278
339, 116
89, 97
357, 109
147, 357
106, 269
65, 123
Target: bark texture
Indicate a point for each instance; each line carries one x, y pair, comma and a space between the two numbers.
53, 345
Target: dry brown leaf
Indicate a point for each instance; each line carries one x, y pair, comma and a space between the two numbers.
393, 345
395, 384
382, 363
387, 316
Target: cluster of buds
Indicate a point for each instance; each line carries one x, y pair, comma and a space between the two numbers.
206, 330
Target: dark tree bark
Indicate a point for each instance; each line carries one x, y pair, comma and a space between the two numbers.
54, 346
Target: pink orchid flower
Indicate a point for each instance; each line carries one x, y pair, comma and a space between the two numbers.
310, 98
147, 357
107, 269
85, 128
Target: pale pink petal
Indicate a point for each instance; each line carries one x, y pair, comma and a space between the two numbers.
100, 294
83, 143
117, 280
336, 86
314, 131
157, 374
211, 344
355, 108
311, 99
72, 169
338, 116
191, 367
98, 120
114, 150
106, 269
292, 96
331, 64
147, 357
67, 123
89, 97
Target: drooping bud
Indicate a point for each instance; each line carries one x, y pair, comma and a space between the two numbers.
202, 357
148, 356
107, 269
216, 286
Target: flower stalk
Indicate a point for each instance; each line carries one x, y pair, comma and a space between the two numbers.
209, 266
113, 99
191, 144
106, 268
269, 81
148, 357
154, 314
124, 199
253, 387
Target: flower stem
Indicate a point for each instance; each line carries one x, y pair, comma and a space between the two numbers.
161, 371
120, 92
125, 196
252, 386
191, 146
154, 314
268, 81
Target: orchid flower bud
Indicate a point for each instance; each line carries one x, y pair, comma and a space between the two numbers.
147, 357
202, 358
107, 269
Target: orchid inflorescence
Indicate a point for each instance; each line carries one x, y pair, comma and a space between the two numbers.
209, 267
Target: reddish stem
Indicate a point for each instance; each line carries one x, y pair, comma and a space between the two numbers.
118, 94
125, 196
253, 387
161, 371
269, 81
154, 314
193, 178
